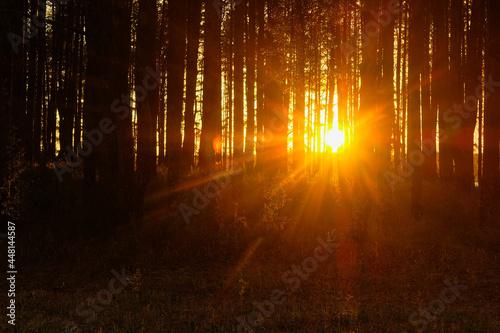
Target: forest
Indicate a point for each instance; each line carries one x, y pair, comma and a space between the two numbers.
250, 165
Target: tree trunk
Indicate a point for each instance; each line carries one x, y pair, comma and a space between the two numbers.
250, 58
106, 82
239, 16
415, 155
490, 190
261, 84
13, 78
300, 81
441, 90
278, 118
470, 108
387, 112
175, 86
429, 115
211, 118
193, 34
456, 84
162, 60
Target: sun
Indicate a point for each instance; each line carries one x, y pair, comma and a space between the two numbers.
334, 139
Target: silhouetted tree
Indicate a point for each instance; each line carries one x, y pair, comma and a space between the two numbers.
211, 118
415, 154
298, 31
193, 35
490, 186
250, 64
175, 86
239, 48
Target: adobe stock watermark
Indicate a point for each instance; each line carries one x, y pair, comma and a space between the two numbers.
220, 7
93, 138
212, 188
291, 278
373, 28
89, 309
421, 319
455, 117
201, 200
30, 28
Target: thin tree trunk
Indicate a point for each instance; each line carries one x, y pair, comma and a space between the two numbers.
40, 98
414, 130
193, 34
387, 112
429, 117
162, 59
239, 16
456, 84
397, 131
211, 119
470, 107
278, 118
441, 90
175, 86
28, 125
250, 61
490, 189
261, 83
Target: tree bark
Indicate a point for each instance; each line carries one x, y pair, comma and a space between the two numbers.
193, 34
175, 86
441, 90
414, 130
490, 190
250, 61
239, 16
211, 118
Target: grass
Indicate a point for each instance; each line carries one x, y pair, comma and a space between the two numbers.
202, 277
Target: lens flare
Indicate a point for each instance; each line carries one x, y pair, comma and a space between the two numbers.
334, 139
217, 144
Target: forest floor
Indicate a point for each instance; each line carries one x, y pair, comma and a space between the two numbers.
232, 268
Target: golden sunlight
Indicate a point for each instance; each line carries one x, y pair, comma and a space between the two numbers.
334, 139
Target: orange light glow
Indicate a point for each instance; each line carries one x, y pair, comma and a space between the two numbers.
217, 144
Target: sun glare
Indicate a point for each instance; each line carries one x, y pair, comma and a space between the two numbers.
334, 139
